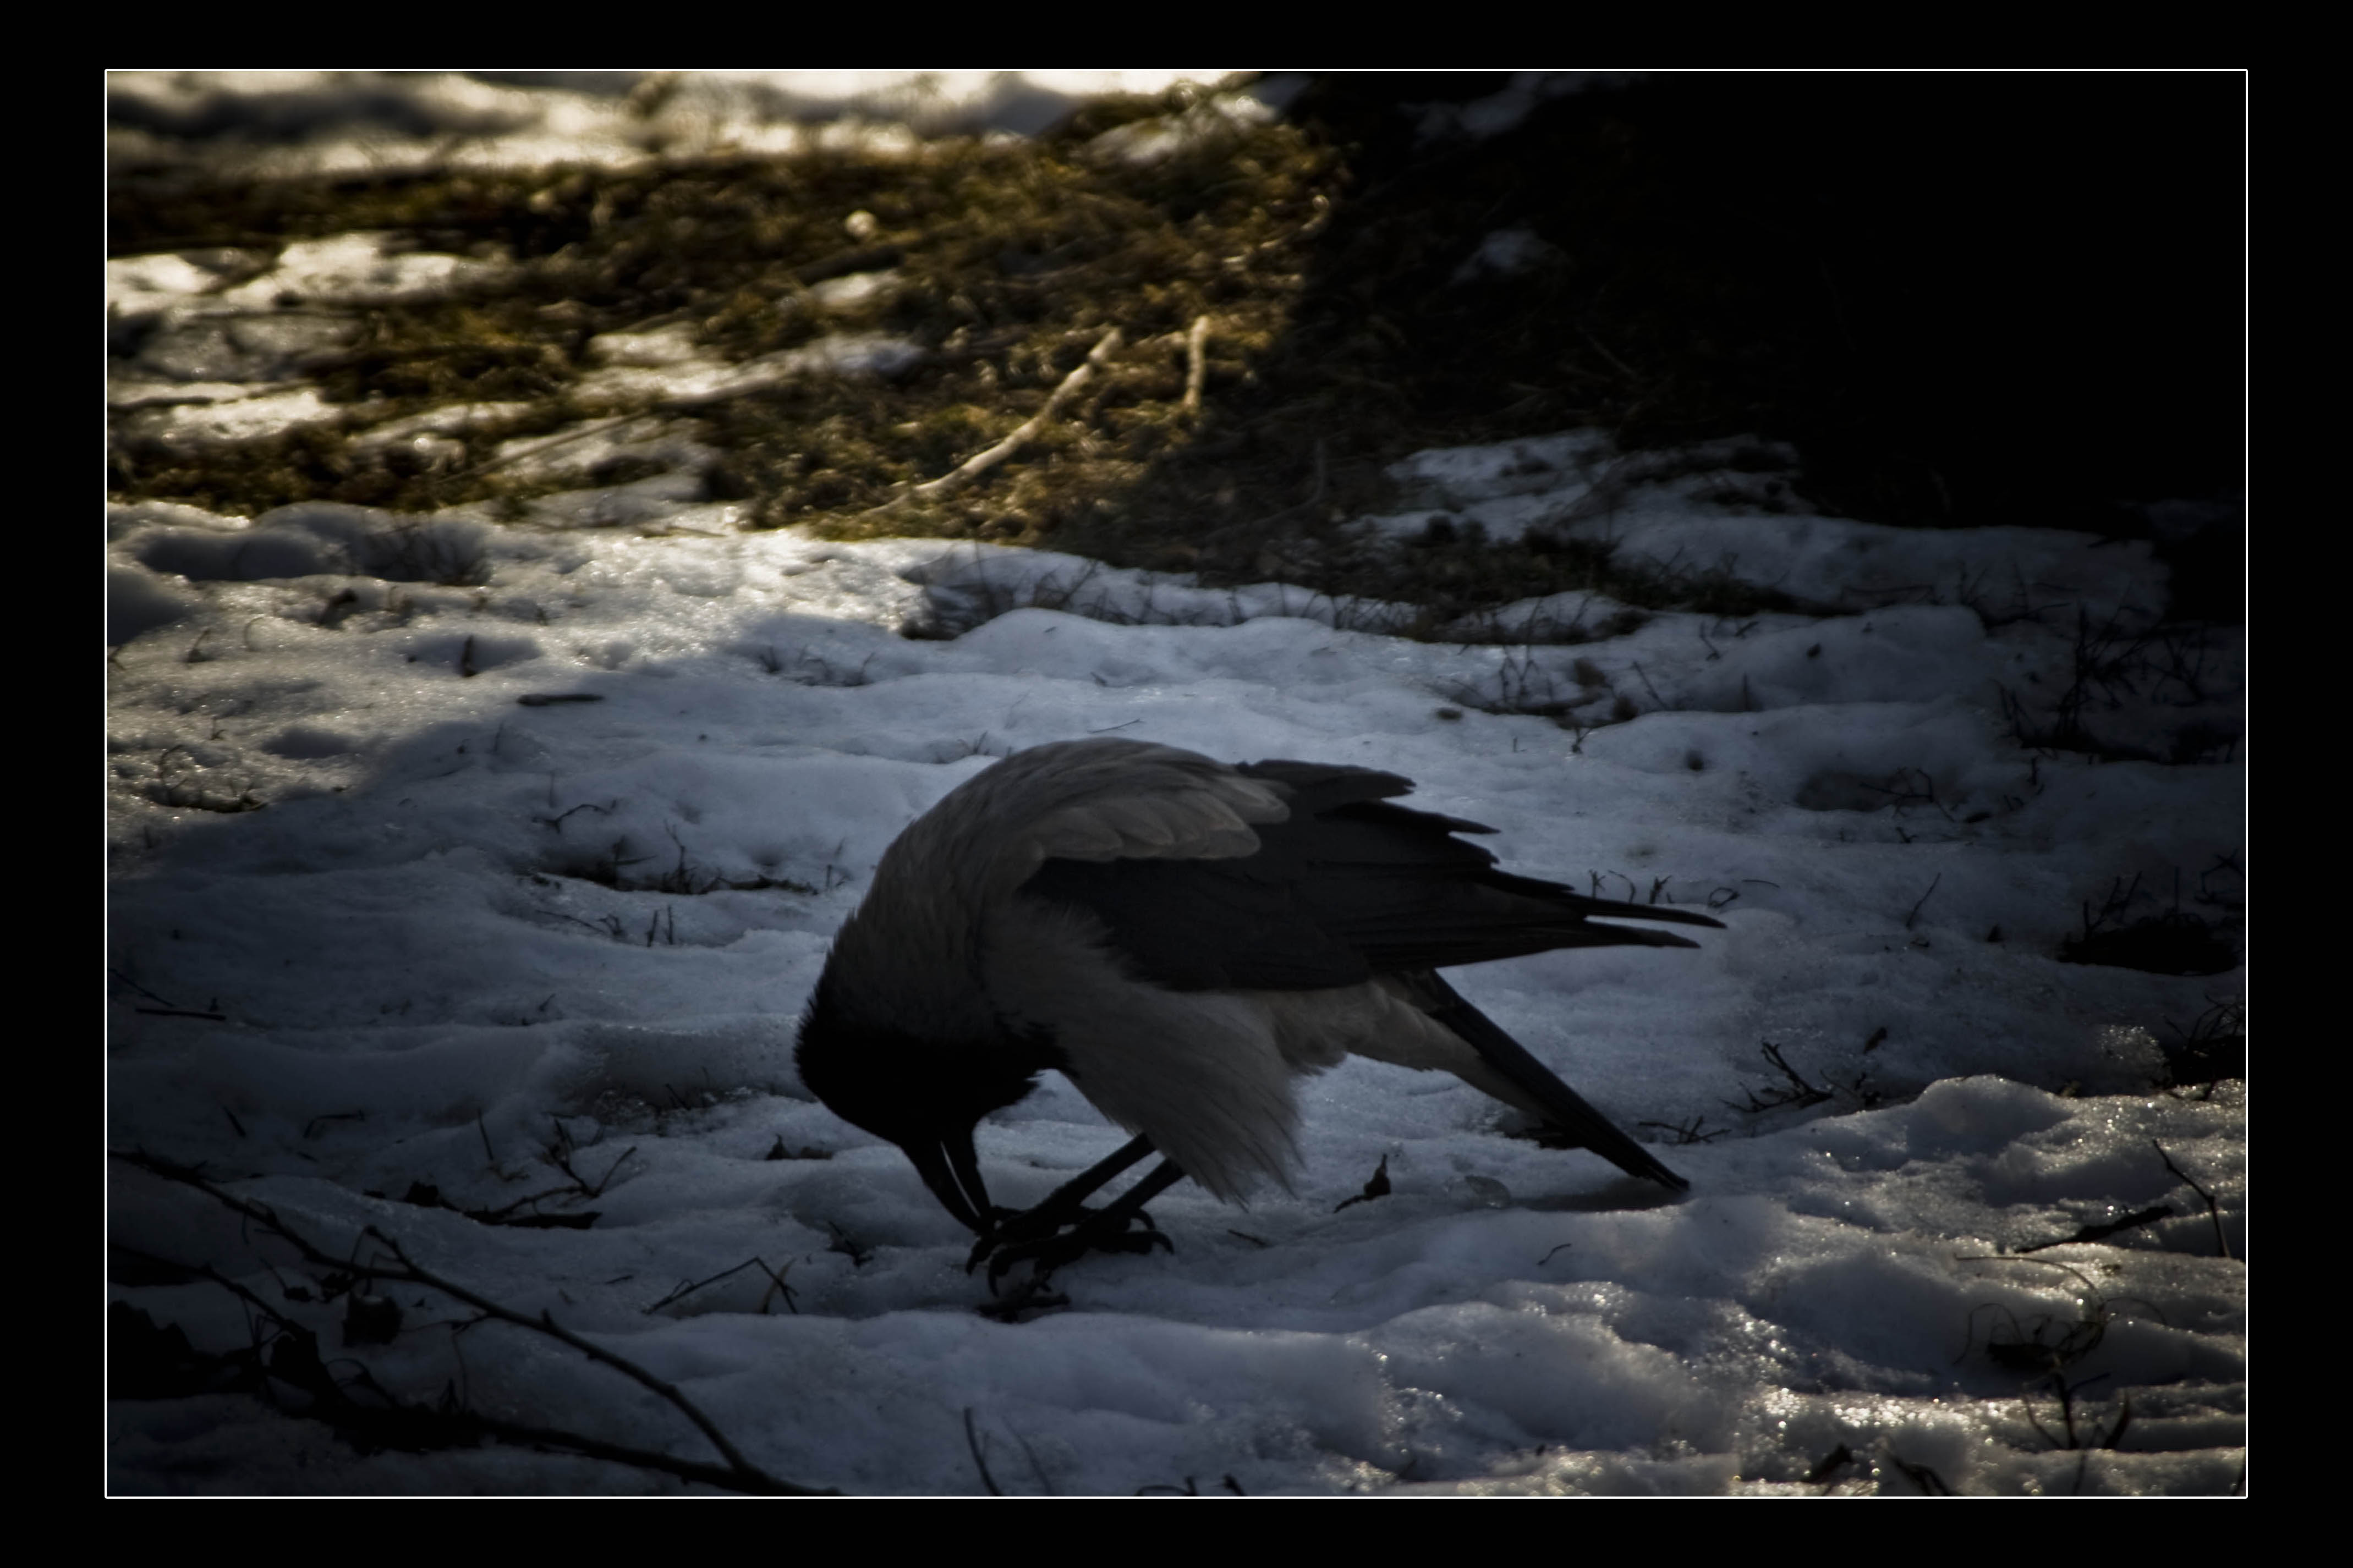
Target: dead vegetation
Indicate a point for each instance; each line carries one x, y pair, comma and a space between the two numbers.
1298, 302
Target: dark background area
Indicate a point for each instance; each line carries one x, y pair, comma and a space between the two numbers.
1967, 299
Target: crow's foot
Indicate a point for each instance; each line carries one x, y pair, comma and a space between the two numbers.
1009, 1227
1046, 1244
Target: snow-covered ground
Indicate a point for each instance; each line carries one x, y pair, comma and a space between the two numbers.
497, 860
277, 123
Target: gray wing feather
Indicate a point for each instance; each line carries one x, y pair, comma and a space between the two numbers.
1346, 887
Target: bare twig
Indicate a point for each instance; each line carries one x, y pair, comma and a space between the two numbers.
1930, 1483
1826, 1469
1914, 915
1799, 1094
1687, 1132
687, 1289
1649, 687
1197, 365
979, 463
740, 1473
163, 1001
979, 1459
2221, 1242
293, 1358
2132, 1221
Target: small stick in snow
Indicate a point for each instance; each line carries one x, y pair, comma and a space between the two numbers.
980, 463
738, 1472
1197, 365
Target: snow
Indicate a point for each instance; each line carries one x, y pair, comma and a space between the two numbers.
284, 122
462, 854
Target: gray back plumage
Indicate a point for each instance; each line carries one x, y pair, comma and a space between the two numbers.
915, 944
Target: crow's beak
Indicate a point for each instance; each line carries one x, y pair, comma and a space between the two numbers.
951, 1169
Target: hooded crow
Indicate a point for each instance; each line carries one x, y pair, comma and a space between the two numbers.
1181, 938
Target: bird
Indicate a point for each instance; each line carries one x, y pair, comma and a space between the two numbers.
1182, 939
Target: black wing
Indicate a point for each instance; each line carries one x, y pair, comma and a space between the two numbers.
1349, 886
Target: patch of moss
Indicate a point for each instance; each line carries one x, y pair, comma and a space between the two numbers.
1009, 261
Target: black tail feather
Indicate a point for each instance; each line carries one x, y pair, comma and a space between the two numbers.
1564, 1106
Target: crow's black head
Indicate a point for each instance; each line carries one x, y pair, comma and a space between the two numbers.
923, 1094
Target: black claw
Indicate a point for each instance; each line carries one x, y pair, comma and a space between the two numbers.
1005, 1246
1017, 1228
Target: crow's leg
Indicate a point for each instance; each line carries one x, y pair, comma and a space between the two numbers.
1104, 1230
1066, 1205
